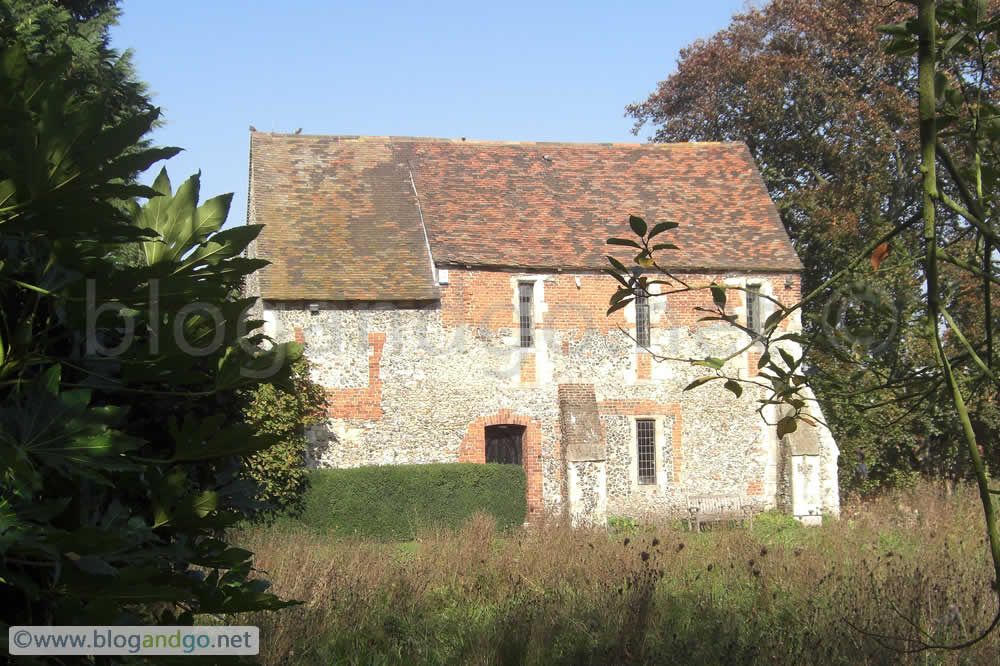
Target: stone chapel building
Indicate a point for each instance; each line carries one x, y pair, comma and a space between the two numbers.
451, 296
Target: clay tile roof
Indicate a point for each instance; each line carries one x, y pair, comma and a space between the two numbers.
344, 221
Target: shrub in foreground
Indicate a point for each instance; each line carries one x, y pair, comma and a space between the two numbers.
118, 449
396, 502
279, 471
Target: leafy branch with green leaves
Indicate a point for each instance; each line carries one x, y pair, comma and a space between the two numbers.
956, 46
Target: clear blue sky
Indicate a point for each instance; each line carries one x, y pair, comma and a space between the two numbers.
541, 71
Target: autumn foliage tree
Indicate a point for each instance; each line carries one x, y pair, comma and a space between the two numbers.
950, 50
806, 85
830, 117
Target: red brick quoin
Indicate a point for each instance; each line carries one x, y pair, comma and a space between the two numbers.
473, 450
528, 369
643, 366
364, 404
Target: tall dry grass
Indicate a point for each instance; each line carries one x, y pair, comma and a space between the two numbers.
901, 569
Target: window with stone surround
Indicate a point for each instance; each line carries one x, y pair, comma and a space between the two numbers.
641, 317
754, 322
645, 437
526, 307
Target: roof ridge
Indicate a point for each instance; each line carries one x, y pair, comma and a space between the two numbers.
498, 142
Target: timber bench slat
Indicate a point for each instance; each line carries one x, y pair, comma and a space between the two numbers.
704, 509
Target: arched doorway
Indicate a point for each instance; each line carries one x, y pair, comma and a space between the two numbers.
505, 444
515, 432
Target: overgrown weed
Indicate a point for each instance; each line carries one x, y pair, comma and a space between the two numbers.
907, 566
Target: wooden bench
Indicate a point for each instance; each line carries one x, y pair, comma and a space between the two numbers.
704, 509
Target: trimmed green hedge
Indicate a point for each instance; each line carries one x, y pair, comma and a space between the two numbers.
397, 501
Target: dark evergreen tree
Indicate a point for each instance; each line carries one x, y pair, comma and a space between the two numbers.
80, 28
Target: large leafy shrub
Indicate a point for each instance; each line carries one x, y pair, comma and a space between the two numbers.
120, 436
397, 501
280, 470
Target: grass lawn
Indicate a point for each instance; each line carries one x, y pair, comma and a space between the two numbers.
898, 569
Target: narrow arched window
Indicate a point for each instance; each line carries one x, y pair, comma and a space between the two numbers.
641, 317
525, 293
754, 322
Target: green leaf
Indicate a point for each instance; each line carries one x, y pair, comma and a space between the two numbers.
209, 217
787, 358
710, 362
902, 47
735, 387
898, 29
618, 277
162, 183
638, 225
661, 227
940, 85
786, 426
8, 190
223, 245
50, 379
700, 382
975, 10
203, 503
94, 565
764, 359
774, 319
619, 266
126, 165
718, 296
620, 294
797, 338
664, 246
119, 139
952, 41
216, 554
620, 304
624, 241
